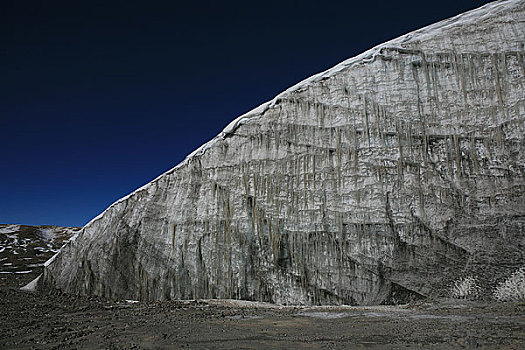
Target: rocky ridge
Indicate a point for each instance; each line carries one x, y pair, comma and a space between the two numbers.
385, 178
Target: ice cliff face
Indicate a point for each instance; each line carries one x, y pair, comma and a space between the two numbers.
391, 175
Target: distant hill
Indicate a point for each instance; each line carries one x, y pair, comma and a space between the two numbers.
24, 249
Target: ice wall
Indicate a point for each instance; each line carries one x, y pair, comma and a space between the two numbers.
386, 177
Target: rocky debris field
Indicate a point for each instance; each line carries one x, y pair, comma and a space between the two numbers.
58, 321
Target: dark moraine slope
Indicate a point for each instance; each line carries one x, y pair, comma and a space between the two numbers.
24, 250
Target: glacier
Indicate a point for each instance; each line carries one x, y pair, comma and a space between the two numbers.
383, 179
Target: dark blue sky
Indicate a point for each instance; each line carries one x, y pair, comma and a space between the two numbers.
99, 97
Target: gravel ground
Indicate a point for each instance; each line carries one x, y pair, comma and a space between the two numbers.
57, 321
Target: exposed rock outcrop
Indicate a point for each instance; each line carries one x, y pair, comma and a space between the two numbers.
387, 177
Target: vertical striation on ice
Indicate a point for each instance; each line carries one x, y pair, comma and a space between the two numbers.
389, 176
